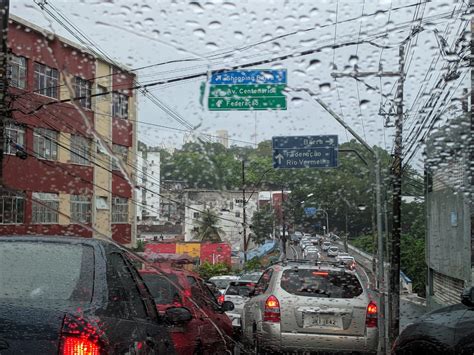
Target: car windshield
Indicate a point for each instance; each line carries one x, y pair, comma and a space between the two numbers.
239, 289
223, 137
221, 283
251, 277
46, 272
317, 283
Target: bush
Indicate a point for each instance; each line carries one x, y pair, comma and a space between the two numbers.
208, 270
364, 243
254, 264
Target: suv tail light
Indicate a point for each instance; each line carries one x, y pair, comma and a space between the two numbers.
372, 315
272, 310
73, 345
221, 299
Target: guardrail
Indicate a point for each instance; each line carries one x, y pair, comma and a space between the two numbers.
367, 259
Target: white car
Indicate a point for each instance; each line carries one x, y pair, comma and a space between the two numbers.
313, 254
310, 249
333, 251
326, 246
347, 260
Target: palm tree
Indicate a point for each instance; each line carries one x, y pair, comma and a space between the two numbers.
207, 228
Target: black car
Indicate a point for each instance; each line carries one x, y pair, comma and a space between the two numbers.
65, 295
448, 330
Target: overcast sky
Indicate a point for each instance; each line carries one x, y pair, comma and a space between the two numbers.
142, 33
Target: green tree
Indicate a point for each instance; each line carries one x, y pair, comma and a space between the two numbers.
208, 270
207, 229
262, 224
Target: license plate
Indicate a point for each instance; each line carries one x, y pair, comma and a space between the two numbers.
321, 321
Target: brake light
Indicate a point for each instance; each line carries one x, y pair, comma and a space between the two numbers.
221, 299
320, 273
272, 310
372, 315
72, 345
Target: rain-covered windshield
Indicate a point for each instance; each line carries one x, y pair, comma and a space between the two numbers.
193, 143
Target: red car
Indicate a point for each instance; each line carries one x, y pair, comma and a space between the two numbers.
210, 329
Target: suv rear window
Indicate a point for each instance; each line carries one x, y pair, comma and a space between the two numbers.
162, 288
319, 283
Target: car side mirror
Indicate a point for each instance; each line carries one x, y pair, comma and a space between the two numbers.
178, 315
467, 297
227, 306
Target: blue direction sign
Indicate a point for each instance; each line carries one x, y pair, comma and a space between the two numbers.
249, 77
299, 152
310, 211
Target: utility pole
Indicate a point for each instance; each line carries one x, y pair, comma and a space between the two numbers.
244, 216
394, 289
283, 222
4, 8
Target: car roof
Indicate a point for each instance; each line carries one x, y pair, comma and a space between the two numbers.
60, 239
224, 277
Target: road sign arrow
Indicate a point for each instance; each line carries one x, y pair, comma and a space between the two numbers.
279, 157
330, 141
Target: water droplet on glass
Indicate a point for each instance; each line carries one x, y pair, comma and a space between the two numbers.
199, 32
325, 87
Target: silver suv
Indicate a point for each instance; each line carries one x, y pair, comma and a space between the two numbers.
304, 306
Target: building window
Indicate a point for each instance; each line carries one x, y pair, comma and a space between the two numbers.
82, 88
46, 80
14, 135
17, 71
80, 150
44, 143
80, 209
101, 203
119, 105
45, 208
119, 210
12, 208
120, 152
102, 91
196, 215
237, 214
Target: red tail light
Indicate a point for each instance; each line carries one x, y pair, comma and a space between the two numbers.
272, 310
221, 299
72, 345
372, 315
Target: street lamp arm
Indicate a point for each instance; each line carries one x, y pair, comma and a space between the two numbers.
258, 183
356, 153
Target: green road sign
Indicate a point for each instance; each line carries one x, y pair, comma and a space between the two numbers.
240, 91
245, 90
247, 103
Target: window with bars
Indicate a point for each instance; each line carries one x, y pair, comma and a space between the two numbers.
45, 208
83, 88
46, 80
119, 210
119, 105
12, 208
120, 152
14, 135
80, 150
81, 208
45, 143
17, 71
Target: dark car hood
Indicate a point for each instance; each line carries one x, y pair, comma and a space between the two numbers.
442, 315
438, 327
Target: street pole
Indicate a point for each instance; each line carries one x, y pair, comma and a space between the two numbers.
244, 216
394, 289
4, 8
283, 236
